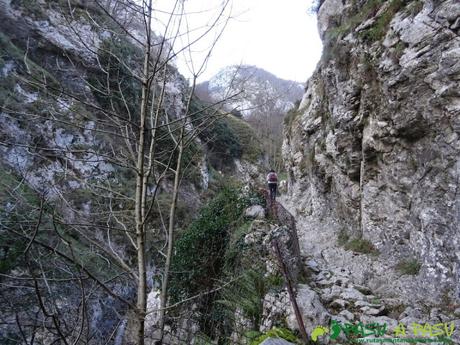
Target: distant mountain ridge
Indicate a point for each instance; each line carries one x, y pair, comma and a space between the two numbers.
260, 97
252, 90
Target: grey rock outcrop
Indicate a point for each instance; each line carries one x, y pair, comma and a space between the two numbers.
312, 309
261, 240
373, 151
275, 341
255, 212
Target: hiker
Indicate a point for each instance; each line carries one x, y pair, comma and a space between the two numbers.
272, 181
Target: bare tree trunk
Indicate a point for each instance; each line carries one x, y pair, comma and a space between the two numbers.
141, 305
172, 216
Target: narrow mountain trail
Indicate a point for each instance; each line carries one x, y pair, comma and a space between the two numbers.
332, 299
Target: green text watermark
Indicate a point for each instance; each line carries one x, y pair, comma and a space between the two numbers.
404, 340
376, 332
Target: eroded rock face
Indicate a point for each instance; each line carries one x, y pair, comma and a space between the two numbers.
374, 150
313, 311
328, 10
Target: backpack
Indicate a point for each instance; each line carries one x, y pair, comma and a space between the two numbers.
272, 177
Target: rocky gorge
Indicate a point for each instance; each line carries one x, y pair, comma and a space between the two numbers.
367, 232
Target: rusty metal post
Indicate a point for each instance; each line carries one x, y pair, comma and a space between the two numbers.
292, 297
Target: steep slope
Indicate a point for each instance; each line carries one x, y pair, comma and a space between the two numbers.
373, 149
70, 101
61, 162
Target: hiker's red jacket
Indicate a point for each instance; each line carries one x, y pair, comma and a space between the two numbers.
272, 178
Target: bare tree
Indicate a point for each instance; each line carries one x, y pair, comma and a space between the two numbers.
122, 104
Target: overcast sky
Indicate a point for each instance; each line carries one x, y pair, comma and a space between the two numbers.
280, 37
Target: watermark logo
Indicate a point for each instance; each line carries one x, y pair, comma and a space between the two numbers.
379, 332
318, 332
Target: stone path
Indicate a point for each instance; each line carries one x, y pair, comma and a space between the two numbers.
330, 293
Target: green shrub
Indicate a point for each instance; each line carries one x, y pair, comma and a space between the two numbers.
282, 333
212, 250
24, 218
39, 77
215, 131
223, 140
409, 266
360, 245
200, 251
31, 8
376, 301
87, 256
368, 10
375, 33
8, 182
250, 145
251, 335
247, 295
380, 27
11, 249
256, 197
199, 260
236, 246
191, 163
14, 191
118, 90
343, 237
275, 281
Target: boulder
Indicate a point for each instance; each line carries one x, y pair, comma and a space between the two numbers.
311, 308
255, 212
352, 294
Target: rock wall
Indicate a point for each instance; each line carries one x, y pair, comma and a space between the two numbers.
373, 150
46, 41
55, 140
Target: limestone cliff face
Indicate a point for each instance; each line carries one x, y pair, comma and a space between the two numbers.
373, 150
